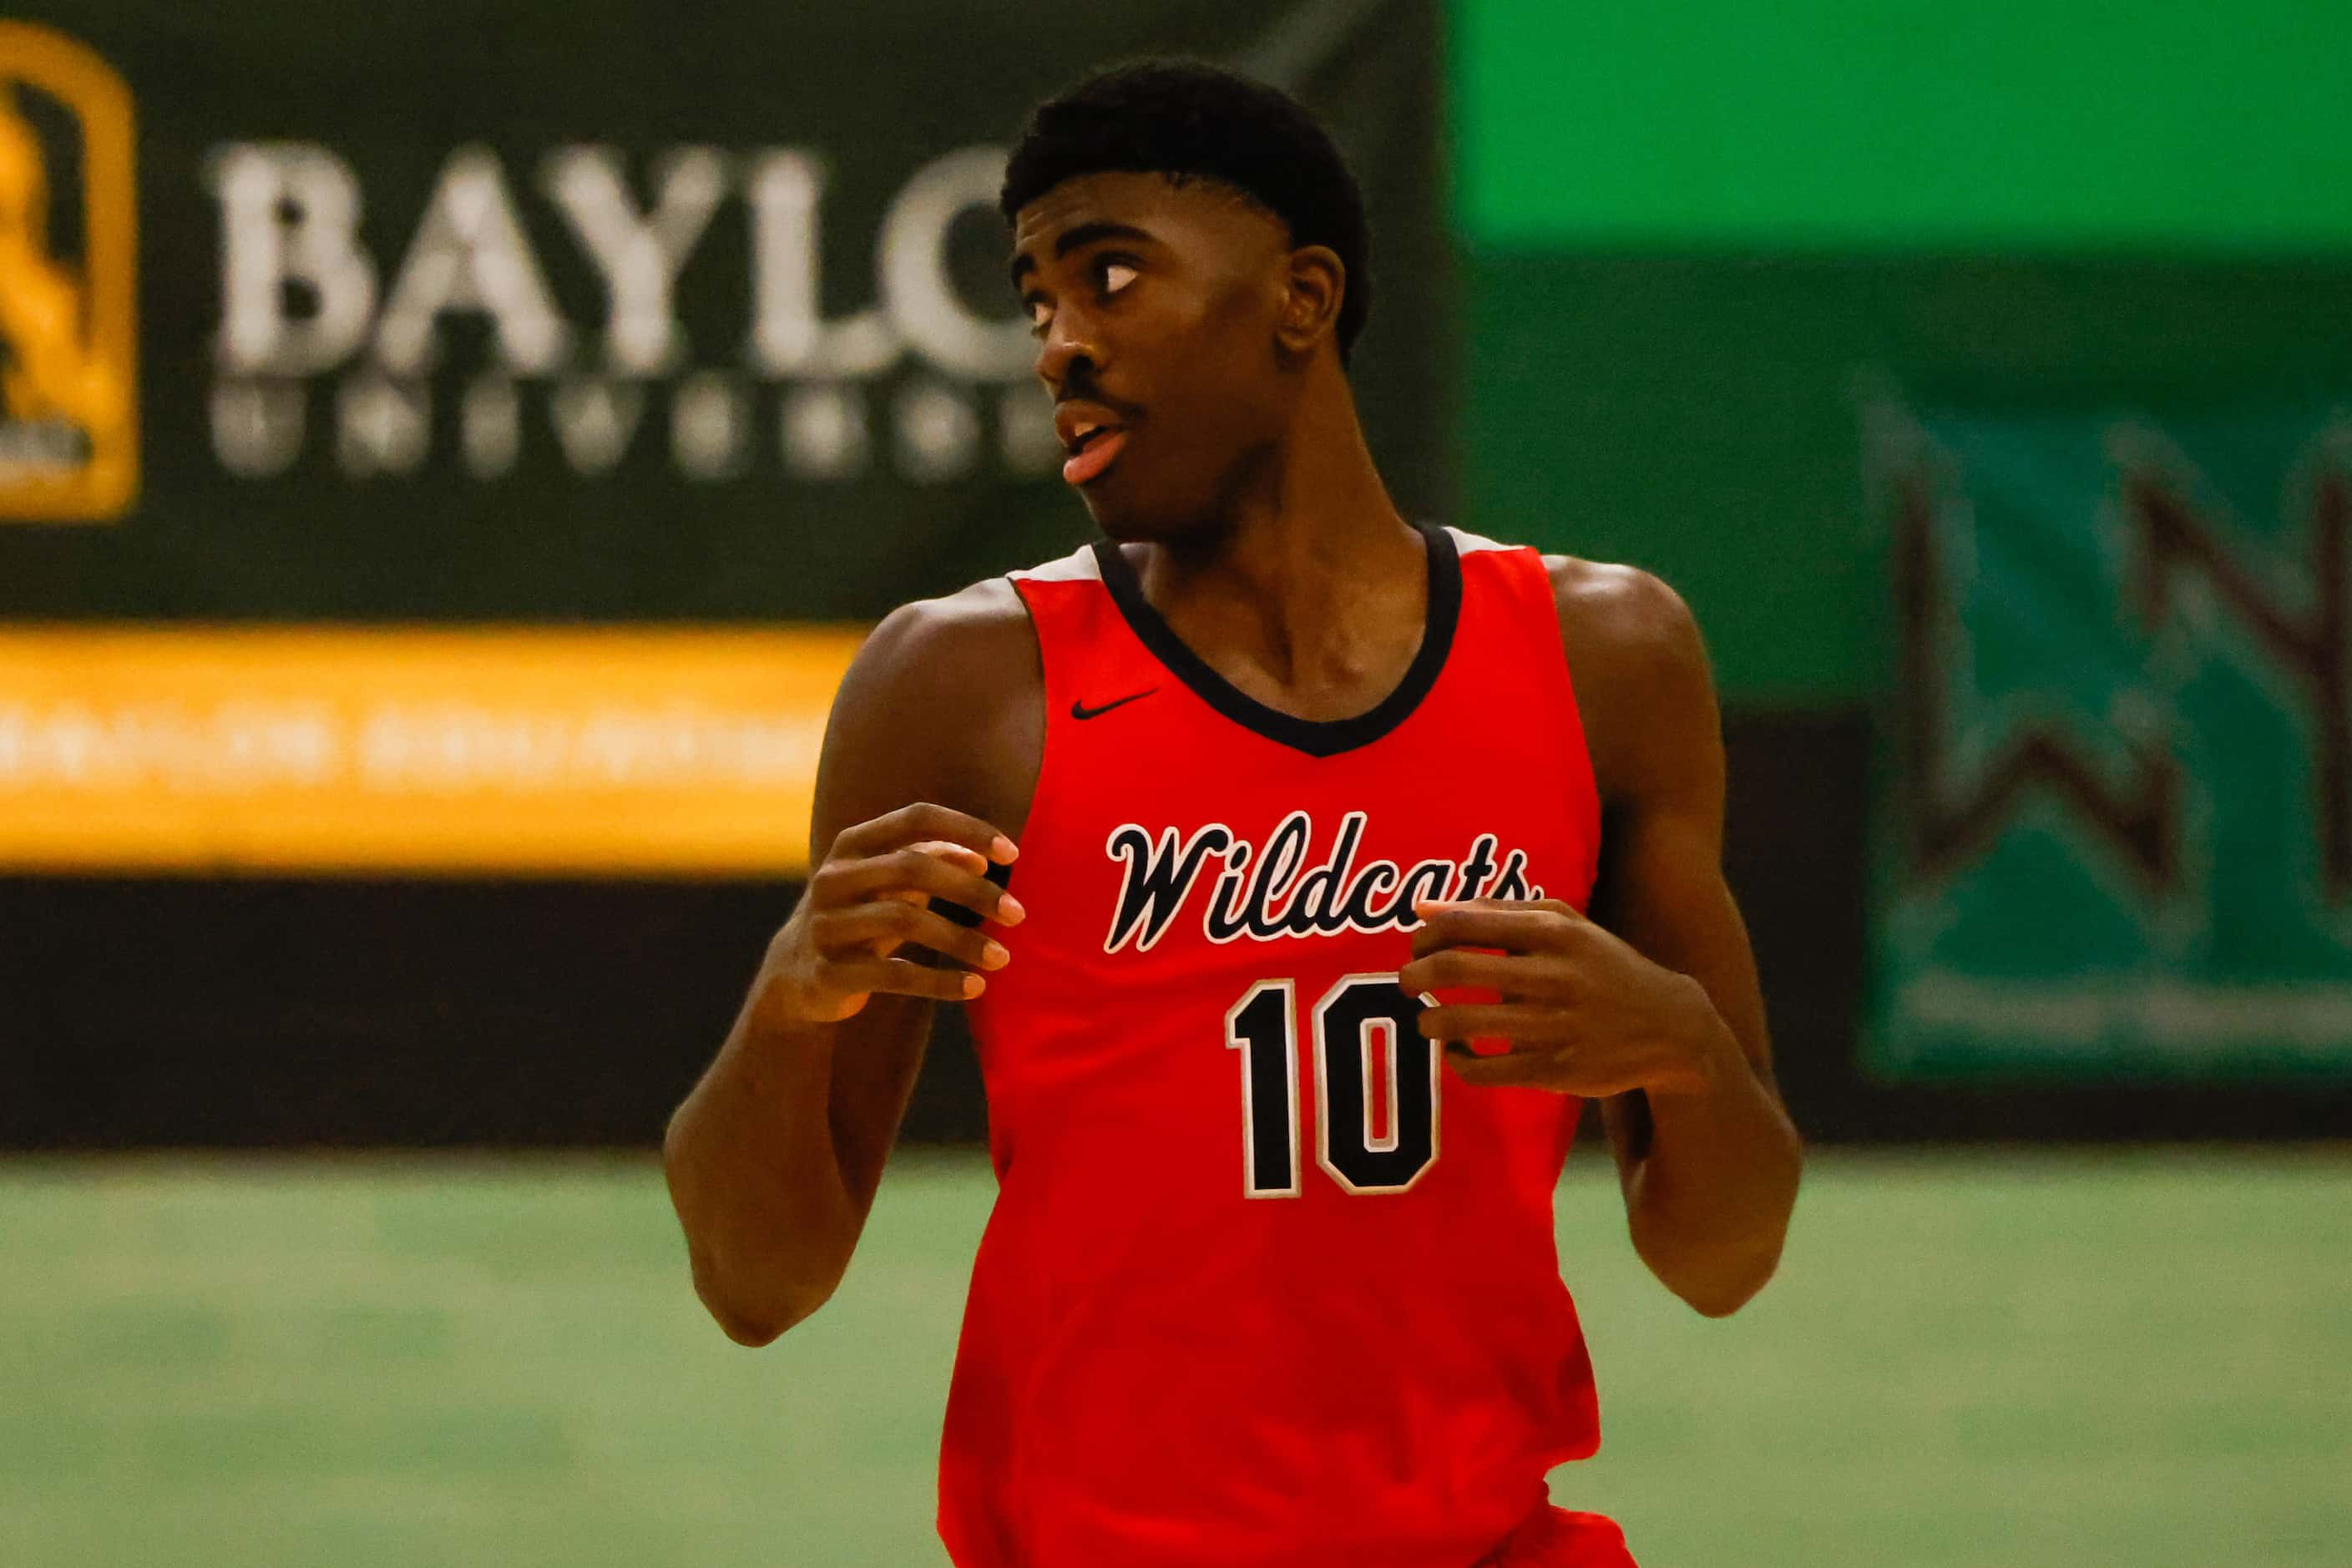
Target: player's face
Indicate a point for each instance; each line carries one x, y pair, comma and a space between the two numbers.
1155, 308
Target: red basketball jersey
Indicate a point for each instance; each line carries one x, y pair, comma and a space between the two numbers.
1262, 1284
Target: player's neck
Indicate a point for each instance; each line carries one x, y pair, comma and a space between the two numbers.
1312, 572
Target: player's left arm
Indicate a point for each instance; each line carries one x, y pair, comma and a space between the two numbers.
1710, 1173
1651, 1005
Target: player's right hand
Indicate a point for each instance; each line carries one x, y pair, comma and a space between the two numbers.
870, 896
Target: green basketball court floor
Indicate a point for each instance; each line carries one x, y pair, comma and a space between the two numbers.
2099, 1359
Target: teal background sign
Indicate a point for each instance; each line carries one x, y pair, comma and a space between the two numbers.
2117, 832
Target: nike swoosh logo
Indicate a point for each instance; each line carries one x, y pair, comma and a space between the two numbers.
1080, 710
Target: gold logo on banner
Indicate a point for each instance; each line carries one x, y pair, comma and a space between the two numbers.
68, 337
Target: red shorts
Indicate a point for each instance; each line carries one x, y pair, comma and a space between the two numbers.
1558, 1539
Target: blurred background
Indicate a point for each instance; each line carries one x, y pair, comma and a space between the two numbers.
449, 453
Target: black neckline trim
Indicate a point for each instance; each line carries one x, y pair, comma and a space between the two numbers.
1315, 737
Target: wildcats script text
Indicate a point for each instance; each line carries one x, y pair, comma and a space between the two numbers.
1276, 894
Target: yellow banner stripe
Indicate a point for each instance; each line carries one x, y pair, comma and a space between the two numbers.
337, 749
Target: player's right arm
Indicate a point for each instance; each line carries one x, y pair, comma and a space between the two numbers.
773, 1159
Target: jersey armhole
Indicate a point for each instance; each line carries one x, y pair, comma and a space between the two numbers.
1039, 815
1574, 742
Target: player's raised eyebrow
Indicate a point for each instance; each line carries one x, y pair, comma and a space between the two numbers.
1083, 234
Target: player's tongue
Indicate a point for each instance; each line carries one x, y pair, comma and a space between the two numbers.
1093, 458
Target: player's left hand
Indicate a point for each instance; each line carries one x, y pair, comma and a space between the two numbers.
1584, 1013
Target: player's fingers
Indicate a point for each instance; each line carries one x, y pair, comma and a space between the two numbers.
1430, 905
899, 977
912, 871
834, 930
1490, 1072
1494, 1021
954, 854
1514, 976
923, 820
1513, 926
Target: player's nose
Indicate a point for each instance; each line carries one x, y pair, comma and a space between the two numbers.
1069, 348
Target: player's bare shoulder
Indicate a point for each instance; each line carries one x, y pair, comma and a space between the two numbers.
960, 640
1616, 617
953, 687
1640, 668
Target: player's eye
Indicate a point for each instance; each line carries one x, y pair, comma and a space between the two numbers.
1111, 274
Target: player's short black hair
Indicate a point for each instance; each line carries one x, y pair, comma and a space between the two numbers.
1188, 120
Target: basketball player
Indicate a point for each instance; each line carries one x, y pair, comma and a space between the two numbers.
1300, 791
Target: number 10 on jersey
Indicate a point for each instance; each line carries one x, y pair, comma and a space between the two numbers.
1363, 1026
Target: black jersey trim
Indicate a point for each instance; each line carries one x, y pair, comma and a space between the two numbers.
1315, 737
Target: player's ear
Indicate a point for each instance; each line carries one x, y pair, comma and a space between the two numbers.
1312, 290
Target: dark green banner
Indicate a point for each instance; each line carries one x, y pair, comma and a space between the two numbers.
593, 311
2117, 836
2172, 126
